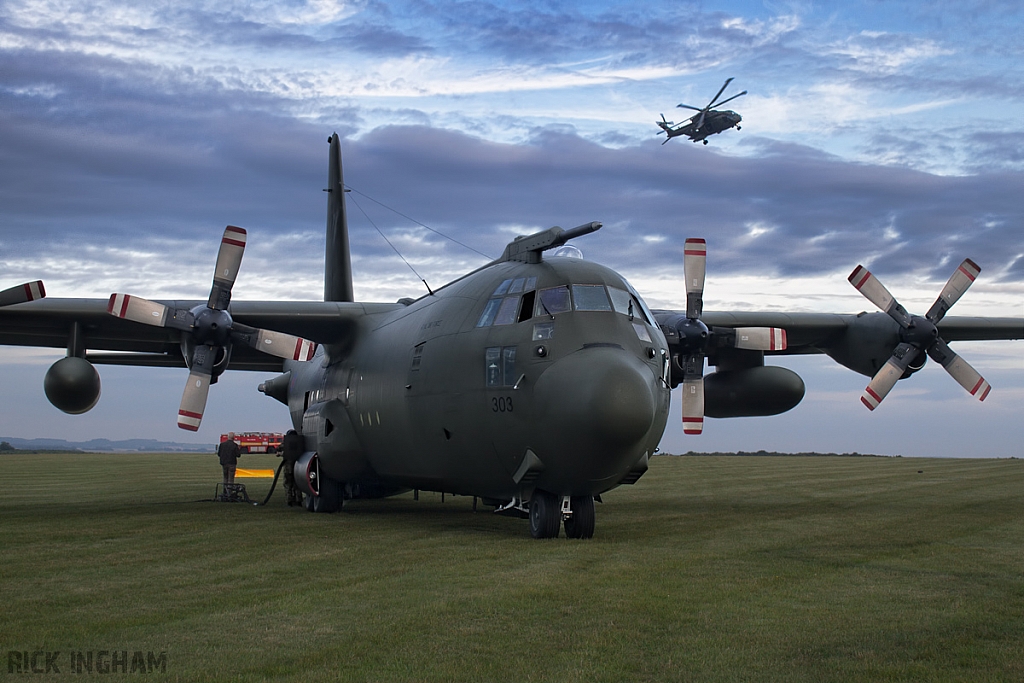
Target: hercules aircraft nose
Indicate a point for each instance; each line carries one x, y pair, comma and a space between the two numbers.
597, 406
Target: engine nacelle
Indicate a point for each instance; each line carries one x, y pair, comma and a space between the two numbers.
72, 385
867, 344
758, 391
307, 473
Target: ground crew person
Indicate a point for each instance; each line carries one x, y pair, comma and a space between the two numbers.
228, 452
291, 450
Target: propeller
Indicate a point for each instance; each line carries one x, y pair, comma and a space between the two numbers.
30, 291
695, 339
919, 335
208, 332
713, 103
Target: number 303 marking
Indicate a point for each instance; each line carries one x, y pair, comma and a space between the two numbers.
501, 404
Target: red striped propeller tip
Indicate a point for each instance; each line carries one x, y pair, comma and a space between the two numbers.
34, 290
695, 247
189, 420
693, 425
234, 236
859, 276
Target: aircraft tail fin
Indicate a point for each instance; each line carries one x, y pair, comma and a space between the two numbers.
337, 260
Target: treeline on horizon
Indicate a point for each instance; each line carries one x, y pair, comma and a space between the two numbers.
7, 448
777, 454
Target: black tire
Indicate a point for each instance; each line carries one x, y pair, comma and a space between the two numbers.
308, 503
545, 514
580, 524
331, 496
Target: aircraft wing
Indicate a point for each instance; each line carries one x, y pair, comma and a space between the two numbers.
862, 342
816, 332
115, 341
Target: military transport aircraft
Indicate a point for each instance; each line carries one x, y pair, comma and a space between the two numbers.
705, 122
536, 382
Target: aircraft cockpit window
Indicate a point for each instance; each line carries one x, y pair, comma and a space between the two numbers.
526, 310
641, 332
502, 288
542, 331
531, 283
490, 310
500, 366
553, 300
648, 316
507, 311
622, 302
492, 366
591, 298
517, 285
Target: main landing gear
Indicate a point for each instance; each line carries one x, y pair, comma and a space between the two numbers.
547, 511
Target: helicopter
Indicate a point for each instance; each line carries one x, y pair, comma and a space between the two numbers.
706, 122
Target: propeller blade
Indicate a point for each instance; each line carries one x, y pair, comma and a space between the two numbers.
761, 338
137, 309
695, 252
693, 405
229, 258
693, 393
686, 106
147, 312
875, 292
30, 291
885, 379
959, 282
193, 399
700, 121
276, 344
960, 370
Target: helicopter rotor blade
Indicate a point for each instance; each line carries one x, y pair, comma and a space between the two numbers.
686, 106
719, 104
713, 99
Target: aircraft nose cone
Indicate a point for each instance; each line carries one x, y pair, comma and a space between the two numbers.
599, 404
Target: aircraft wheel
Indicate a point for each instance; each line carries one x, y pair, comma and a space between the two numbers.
581, 523
308, 502
705, 142
331, 497
545, 514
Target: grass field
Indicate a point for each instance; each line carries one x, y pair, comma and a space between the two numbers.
708, 569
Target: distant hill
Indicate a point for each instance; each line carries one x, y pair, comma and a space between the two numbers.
107, 446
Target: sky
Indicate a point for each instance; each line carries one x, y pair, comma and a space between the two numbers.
889, 134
